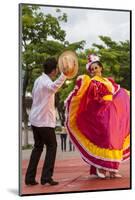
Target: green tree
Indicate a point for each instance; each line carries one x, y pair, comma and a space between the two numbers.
116, 59
36, 28
42, 37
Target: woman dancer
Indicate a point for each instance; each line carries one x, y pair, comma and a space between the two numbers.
98, 120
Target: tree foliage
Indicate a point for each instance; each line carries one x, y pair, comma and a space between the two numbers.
116, 59
42, 37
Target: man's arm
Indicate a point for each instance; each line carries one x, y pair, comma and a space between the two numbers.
54, 86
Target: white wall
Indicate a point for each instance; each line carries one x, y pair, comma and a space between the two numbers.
9, 101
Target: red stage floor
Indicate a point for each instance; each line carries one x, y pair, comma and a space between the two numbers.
73, 176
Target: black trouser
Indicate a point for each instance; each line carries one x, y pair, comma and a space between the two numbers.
71, 146
42, 135
63, 141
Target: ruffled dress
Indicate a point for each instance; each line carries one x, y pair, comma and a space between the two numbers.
98, 122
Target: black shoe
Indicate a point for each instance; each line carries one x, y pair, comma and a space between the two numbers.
50, 181
31, 183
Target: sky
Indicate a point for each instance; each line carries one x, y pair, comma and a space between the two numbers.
88, 24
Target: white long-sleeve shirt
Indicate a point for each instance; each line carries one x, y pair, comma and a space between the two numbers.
43, 107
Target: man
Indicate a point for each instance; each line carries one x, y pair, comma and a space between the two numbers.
43, 121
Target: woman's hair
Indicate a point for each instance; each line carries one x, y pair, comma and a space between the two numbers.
49, 65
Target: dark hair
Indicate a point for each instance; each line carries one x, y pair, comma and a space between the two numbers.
99, 64
49, 65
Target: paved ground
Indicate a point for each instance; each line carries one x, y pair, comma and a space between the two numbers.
73, 175
60, 155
